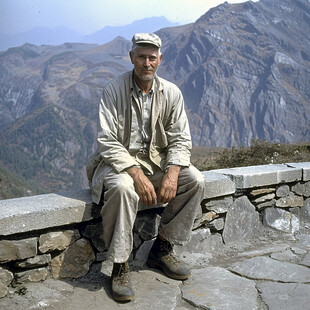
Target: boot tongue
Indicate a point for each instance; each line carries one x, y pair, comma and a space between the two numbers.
165, 247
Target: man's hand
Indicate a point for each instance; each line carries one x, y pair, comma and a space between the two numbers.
168, 188
143, 186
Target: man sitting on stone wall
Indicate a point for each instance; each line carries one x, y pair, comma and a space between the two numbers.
143, 156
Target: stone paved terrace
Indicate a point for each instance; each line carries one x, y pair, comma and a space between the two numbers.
273, 274
260, 265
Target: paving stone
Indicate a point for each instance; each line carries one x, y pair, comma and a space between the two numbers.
242, 221
283, 190
17, 249
298, 250
264, 251
136, 241
208, 217
198, 250
305, 209
280, 219
296, 212
37, 296
305, 166
215, 288
6, 276
287, 256
290, 201
264, 198
199, 242
302, 189
58, 240
303, 241
146, 225
3, 291
262, 175
306, 260
216, 224
153, 291
38, 212
33, 262
217, 184
45, 211
261, 191
143, 253
264, 205
59, 286
74, 262
265, 268
218, 205
94, 233
285, 296
33, 275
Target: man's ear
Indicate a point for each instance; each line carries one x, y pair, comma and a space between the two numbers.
131, 56
160, 58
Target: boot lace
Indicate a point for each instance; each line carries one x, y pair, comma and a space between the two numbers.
166, 251
122, 274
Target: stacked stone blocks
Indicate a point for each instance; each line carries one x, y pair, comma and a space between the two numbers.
59, 235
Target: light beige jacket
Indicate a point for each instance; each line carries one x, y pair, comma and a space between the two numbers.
170, 136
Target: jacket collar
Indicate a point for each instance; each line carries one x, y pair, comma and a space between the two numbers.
158, 97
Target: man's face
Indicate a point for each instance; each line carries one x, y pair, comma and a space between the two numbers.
145, 59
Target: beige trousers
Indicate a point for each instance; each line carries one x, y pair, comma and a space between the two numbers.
121, 206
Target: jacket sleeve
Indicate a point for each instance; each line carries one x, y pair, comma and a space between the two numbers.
178, 132
111, 150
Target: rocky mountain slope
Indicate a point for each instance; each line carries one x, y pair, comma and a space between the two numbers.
244, 70
49, 101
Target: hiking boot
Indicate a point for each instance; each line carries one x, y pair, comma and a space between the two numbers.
161, 256
121, 285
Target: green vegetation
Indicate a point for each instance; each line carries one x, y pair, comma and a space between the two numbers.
27, 173
42, 150
14, 186
259, 153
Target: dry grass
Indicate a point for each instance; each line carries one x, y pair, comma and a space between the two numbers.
259, 153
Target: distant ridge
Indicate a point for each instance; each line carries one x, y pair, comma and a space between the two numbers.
39, 36
60, 35
108, 33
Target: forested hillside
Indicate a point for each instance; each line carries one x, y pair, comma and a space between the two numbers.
244, 70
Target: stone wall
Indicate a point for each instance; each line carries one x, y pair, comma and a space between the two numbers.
58, 235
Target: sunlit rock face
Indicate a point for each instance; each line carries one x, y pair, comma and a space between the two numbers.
244, 71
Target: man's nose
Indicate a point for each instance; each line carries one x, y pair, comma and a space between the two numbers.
146, 62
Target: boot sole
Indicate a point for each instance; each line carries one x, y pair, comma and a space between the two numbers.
155, 264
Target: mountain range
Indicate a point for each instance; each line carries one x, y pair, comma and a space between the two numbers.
244, 70
60, 35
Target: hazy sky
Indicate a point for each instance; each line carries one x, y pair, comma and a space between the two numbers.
87, 16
